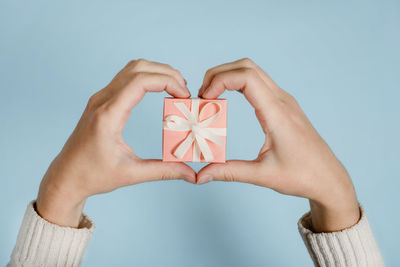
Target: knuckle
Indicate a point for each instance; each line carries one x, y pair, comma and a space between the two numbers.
139, 63
229, 177
209, 72
177, 72
165, 65
288, 95
131, 62
100, 118
247, 61
291, 99
92, 102
166, 176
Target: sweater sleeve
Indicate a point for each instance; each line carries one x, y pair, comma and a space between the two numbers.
41, 243
354, 246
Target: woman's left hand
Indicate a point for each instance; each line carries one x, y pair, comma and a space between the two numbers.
294, 159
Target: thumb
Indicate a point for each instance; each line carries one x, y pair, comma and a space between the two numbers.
230, 171
146, 170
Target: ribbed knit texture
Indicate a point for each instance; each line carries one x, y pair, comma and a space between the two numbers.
41, 243
355, 246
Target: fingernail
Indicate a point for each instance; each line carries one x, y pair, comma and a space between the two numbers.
200, 90
203, 92
189, 179
188, 92
204, 179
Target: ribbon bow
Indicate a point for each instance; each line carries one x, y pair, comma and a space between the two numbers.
199, 130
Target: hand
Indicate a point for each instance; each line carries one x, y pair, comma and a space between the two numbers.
294, 159
95, 159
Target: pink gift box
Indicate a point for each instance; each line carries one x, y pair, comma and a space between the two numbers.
194, 130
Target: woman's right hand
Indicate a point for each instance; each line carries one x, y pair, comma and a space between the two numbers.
95, 159
294, 159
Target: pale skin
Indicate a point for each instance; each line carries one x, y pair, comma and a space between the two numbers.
294, 159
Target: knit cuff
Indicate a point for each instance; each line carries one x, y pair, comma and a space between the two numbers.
41, 243
354, 246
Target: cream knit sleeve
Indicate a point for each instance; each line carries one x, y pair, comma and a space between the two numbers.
355, 246
41, 243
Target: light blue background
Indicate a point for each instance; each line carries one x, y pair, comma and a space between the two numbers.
340, 60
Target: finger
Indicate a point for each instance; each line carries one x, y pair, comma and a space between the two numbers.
241, 63
117, 108
231, 171
130, 72
143, 82
142, 65
145, 170
249, 82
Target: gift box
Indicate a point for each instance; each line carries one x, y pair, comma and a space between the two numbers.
194, 130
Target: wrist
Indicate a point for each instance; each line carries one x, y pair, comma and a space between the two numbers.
336, 213
61, 207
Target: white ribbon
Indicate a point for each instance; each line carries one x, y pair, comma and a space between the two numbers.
198, 130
